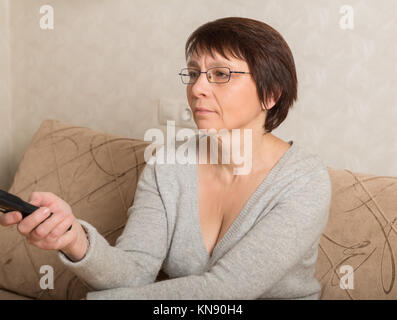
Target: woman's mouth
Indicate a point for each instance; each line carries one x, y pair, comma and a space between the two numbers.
202, 111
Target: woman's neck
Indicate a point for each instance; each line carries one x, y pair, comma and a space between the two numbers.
247, 151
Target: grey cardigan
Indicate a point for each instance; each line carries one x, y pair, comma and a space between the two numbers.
269, 252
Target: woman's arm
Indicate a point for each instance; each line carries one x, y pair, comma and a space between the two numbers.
276, 243
139, 252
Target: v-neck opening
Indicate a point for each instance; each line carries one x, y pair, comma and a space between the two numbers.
248, 204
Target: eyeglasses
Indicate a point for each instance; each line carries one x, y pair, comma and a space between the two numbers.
214, 75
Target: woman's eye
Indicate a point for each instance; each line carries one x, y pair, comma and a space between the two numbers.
220, 74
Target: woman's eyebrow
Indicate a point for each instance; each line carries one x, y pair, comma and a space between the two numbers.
212, 64
192, 63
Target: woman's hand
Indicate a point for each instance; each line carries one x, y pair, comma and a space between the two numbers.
49, 231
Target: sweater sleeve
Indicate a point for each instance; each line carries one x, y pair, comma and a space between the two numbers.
139, 252
276, 243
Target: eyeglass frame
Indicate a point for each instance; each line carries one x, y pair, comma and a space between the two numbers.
206, 74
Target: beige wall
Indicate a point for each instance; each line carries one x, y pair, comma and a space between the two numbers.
6, 154
107, 62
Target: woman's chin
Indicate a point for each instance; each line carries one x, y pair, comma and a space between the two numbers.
210, 130
206, 126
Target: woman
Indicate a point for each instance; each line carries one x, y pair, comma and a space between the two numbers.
216, 234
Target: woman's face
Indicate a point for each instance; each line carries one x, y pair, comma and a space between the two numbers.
234, 104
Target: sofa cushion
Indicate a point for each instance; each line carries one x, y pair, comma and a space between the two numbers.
96, 173
360, 236
6, 295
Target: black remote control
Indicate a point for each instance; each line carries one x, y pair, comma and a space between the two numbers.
10, 202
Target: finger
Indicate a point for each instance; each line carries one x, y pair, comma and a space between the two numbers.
33, 220
49, 224
10, 218
54, 242
64, 240
60, 229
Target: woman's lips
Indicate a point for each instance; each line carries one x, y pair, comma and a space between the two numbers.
203, 112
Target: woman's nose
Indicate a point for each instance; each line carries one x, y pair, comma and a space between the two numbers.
201, 86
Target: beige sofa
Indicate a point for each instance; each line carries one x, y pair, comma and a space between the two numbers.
97, 173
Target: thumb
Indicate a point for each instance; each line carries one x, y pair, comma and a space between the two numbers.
35, 203
43, 199
36, 199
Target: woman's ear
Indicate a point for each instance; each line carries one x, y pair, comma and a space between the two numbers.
271, 102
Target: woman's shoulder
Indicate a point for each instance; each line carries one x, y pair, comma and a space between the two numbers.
305, 159
302, 168
308, 169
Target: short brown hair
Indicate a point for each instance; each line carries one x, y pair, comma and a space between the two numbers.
267, 54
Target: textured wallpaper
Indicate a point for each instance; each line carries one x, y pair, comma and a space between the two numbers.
106, 64
6, 155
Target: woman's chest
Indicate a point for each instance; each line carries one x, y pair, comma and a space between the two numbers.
219, 205
205, 212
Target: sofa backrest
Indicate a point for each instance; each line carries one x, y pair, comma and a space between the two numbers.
357, 250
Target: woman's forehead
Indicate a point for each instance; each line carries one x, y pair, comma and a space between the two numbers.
213, 58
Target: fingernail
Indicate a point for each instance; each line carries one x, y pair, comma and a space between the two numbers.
46, 210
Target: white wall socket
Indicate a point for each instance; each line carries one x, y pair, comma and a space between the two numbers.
176, 110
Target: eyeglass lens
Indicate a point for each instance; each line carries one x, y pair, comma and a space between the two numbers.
215, 75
